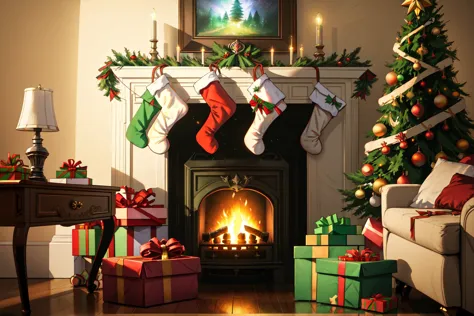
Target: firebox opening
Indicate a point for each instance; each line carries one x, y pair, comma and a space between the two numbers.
229, 219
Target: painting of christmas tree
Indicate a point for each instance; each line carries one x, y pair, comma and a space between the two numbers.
243, 18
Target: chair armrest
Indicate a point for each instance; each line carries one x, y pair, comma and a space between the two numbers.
467, 255
398, 195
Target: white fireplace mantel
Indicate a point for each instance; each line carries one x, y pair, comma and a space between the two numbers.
142, 168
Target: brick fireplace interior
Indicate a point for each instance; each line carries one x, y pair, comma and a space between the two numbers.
240, 213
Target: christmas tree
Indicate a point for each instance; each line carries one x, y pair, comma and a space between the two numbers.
236, 13
423, 115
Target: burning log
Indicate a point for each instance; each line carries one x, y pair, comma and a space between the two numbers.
252, 239
217, 240
241, 238
226, 238
262, 235
206, 237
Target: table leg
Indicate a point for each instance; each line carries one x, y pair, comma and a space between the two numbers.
20, 235
107, 235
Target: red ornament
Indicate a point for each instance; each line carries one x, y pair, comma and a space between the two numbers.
348, 59
391, 78
423, 84
226, 54
403, 145
385, 149
339, 63
418, 159
418, 110
401, 137
367, 170
133, 57
247, 54
429, 135
445, 126
403, 179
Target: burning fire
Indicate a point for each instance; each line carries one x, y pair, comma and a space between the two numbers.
236, 217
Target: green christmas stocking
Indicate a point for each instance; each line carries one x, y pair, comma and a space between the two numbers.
137, 130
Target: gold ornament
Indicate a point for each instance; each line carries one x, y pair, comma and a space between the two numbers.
417, 66
379, 129
441, 155
435, 31
422, 50
360, 194
410, 95
416, 5
462, 144
378, 184
455, 94
394, 103
440, 101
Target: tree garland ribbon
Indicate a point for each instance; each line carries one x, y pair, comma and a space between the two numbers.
418, 129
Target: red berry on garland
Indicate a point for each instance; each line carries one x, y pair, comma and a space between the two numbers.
418, 110
247, 54
423, 84
226, 54
367, 170
418, 159
133, 57
339, 63
403, 179
429, 135
445, 126
348, 59
385, 149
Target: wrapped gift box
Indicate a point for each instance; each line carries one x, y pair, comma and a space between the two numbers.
379, 303
145, 282
83, 181
152, 215
72, 169
85, 242
345, 283
373, 231
338, 230
335, 240
13, 168
305, 268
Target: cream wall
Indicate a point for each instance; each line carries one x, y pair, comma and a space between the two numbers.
38, 45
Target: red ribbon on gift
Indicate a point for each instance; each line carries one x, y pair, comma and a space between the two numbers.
364, 255
162, 249
137, 200
13, 161
375, 298
72, 166
426, 214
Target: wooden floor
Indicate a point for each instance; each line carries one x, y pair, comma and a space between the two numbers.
57, 297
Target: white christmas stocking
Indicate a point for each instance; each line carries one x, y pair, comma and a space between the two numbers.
173, 108
326, 106
267, 103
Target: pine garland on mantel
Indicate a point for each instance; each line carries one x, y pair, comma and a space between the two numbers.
231, 56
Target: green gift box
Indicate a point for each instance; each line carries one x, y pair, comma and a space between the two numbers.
305, 267
335, 240
332, 220
13, 168
85, 242
72, 169
345, 283
380, 304
339, 230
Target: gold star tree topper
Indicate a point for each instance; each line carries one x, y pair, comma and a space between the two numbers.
416, 5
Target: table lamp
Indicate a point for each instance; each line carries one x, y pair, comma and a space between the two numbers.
37, 115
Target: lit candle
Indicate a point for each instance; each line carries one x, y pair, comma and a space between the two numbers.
153, 17
202, 55
291, 55
272, 54
301, 51
178, 51
319, 29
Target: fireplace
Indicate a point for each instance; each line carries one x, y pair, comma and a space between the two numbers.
237, 213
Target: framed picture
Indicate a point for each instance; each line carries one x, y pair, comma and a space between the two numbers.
263, 23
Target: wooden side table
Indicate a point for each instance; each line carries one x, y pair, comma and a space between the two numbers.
27, 204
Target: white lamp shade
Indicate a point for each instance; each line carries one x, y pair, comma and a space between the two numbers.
38, 111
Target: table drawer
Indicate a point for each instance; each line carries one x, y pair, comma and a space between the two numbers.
70, 206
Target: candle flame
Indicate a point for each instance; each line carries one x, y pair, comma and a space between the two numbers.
319, 19
202, 49
272, 50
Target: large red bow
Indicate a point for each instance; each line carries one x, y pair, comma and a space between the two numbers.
426, 214
12, 161
364, 255
72, 165
377, 297
141, 198
164, 249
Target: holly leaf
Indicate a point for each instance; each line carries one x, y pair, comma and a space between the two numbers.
333, 101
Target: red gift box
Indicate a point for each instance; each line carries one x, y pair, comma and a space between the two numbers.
144, 282
379, 303
373, 231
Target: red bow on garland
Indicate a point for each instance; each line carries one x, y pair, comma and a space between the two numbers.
364, 255
426, 214
164, 249
141, 198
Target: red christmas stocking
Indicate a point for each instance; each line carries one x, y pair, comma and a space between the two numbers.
222, 108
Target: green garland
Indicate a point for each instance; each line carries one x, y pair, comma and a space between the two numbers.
226, 57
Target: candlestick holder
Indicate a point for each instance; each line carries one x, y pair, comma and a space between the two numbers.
319, 52
153, 51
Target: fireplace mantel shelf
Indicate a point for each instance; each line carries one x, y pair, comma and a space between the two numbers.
296, 83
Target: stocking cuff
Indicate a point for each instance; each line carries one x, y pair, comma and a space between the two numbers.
327, 100
205, 81
158, 85
266, 90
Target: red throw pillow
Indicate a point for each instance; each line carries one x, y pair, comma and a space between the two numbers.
457, 193
468, 160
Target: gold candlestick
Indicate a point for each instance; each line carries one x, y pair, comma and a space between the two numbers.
319, 52
153, 51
